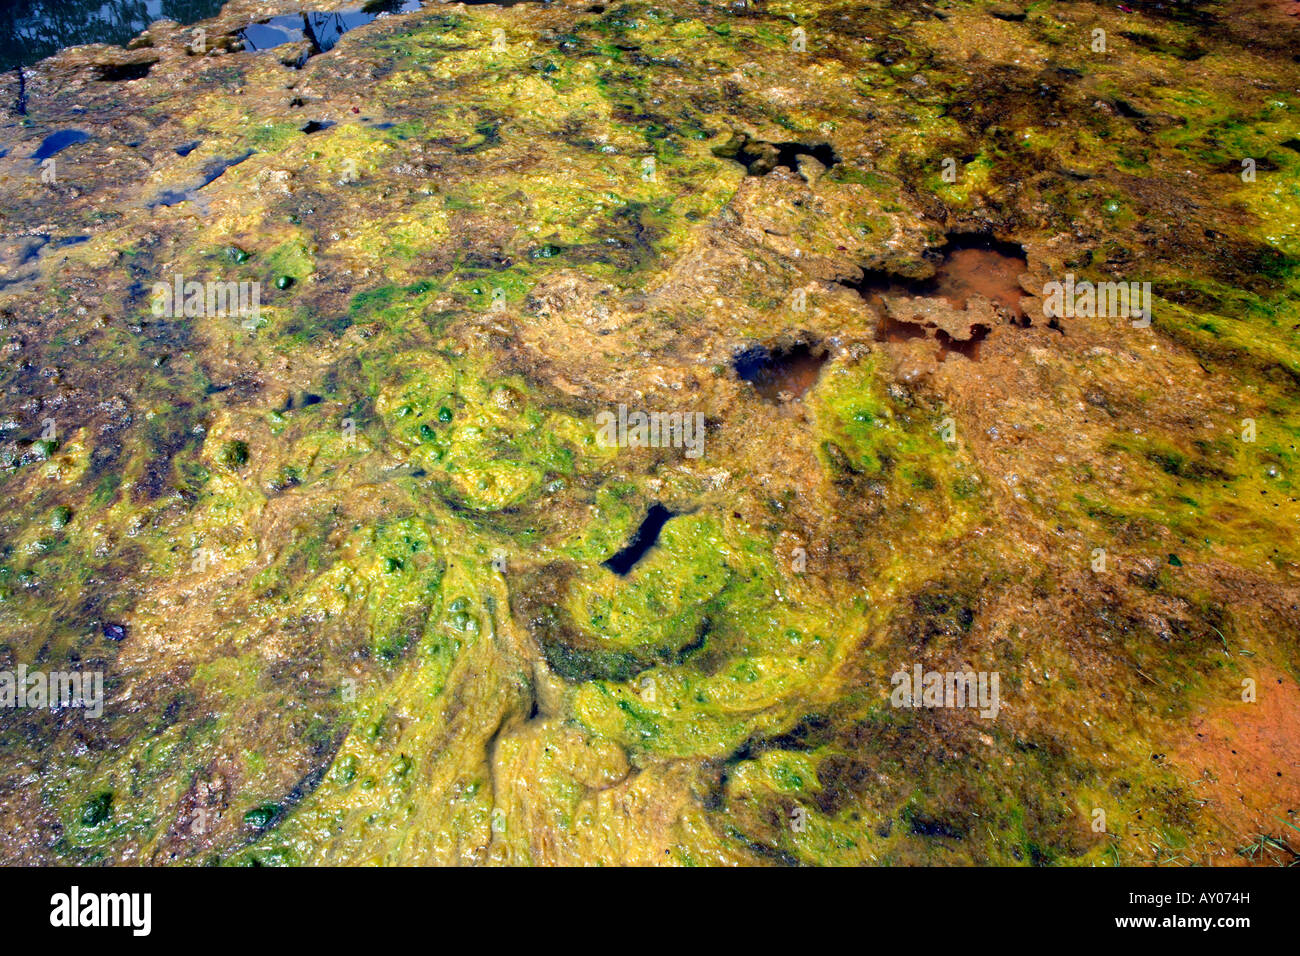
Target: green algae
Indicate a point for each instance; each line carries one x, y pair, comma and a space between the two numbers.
425, 542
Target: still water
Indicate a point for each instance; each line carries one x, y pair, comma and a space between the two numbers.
31, 30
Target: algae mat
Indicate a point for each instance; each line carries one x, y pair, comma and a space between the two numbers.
655, 433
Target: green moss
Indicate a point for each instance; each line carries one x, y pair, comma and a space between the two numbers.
235, 454
345, 647
97, 809
261, 817
60, 517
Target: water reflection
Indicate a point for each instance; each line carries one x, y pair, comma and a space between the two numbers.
322, 29
31, 30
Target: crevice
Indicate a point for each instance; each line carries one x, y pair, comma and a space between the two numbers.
759, 157
968, 347
783, 373
891, 330
123, 72
211, 173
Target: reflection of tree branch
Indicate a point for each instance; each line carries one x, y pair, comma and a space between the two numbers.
124, 17
311, 34
20, 107
190, 11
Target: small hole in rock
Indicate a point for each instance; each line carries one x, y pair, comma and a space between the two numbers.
969, 265
781, 374
759, 158
891, 330
645, 538
967, 347
122, 72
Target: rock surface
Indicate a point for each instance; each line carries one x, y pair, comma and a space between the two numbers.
355, 538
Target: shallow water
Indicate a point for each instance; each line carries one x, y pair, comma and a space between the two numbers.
781, 374
971, 265
391, 484
322, 29
57, 142
31, 30
987, 272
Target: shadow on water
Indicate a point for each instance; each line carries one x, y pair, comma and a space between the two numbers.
31, 30
780, 374
322, 30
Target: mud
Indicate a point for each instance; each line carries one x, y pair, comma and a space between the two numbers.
1245, 760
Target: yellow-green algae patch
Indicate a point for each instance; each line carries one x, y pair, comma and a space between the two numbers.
344, 565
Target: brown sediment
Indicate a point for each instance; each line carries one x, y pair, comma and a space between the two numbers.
1243, 758
975, 285
987, 272
1287, 8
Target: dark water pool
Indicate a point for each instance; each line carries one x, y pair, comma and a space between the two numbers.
31, 30
322, 29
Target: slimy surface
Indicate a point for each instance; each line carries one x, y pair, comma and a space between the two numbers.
307, 346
